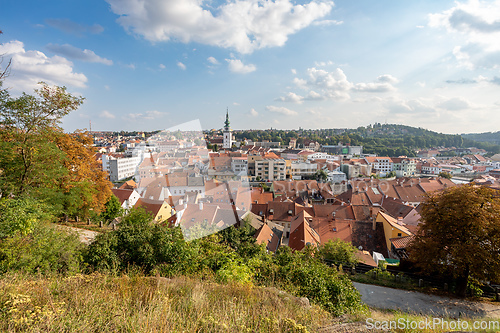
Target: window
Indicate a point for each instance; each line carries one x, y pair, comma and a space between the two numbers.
399, 234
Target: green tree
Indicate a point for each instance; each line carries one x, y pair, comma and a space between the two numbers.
445, 174
112, 210
321, 176
28, 158
39, 160
339, 252
460, 233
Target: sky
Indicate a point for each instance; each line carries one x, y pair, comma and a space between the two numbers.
152, 64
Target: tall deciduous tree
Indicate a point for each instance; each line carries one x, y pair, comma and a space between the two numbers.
27, 155
460, 233
85, 186
39, 160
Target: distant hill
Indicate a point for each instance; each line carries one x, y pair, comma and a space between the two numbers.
380, 139
491, 137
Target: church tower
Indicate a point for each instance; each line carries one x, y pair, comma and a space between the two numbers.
228, 135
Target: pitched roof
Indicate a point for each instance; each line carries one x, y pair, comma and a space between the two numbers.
122, 194
401, 242
301, 232
269, 237
152, 206
394, 223
330, 228
129, 184
396, 207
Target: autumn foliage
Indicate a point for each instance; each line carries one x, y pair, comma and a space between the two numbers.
38, 160
460, 234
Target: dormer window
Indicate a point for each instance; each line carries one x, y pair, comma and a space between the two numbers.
290, 212
271, 211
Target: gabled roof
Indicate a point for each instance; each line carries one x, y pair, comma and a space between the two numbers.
394, 223
330, 228
129, 185
173, 180
301, 232
268, 236
152, 206
122, 194
396, 208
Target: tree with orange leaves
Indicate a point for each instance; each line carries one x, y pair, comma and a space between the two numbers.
38, 160
460, 234
85, 187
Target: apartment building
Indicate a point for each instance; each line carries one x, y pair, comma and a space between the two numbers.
270, 169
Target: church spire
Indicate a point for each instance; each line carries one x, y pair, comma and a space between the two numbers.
226, 123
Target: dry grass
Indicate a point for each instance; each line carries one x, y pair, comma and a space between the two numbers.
97, 303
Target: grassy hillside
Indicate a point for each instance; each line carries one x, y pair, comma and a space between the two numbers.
92, 303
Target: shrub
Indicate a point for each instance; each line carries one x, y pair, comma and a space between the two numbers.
44, 250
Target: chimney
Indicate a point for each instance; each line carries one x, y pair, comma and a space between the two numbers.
181, 201
374, 224
400, 220
200, 205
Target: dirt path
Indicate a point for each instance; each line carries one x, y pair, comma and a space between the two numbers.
86, 236
419, 303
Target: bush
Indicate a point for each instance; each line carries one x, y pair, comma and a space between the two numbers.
21, 215
339, 252
44, 250
304, 275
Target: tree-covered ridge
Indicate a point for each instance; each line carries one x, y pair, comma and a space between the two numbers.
490, 137
380, 139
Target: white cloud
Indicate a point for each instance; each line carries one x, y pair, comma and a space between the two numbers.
314, 112
294, 71
321, 84
323, 63
462, 58
30, 67
131, 66
282, 110
479, 23
181, 65
328, 22
236, 66
106, 114
253, 113
454, 104
78, 54
387, 79
331, 85
291, 97
243, 25
212, 60
148, 115
162, 66
412, 106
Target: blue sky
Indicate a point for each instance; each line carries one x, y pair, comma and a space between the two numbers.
152, 64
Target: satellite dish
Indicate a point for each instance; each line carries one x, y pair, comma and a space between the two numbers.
360, 248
